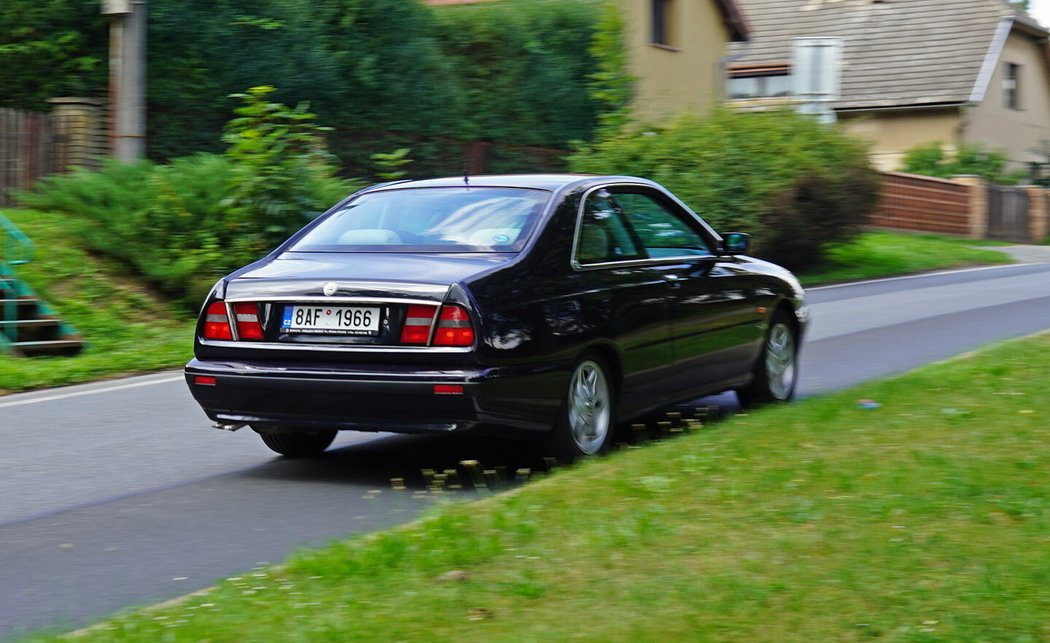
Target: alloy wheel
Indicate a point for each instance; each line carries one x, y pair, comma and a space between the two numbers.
780, 361
589, 407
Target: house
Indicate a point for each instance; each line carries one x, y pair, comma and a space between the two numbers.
676, 51
911, 72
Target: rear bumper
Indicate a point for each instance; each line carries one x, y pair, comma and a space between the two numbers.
401, 400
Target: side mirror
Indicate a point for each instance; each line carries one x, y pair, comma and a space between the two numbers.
735, 243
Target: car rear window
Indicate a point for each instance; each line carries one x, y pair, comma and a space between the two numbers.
454, 219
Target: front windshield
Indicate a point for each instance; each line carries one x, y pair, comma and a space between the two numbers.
453, 219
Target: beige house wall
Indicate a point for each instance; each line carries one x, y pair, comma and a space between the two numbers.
684, 76
892, 133
995, 126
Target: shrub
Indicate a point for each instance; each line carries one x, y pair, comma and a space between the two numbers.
185, 224
281, 170
165, 221
933, 160
793, 183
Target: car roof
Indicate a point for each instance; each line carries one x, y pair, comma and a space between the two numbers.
552, 182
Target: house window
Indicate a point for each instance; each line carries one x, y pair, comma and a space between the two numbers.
662, 14
759, 81
745, 87
1012, 86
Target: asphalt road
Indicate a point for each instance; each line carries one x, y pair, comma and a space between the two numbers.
119, 493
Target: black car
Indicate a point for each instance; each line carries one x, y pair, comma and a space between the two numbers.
550, 306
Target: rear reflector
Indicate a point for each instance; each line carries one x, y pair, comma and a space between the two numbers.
448, 389
418, 321
248, 325
217, 322
204, 380
454, 328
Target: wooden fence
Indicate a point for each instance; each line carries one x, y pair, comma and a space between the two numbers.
923, 204
35, 144
26, 144
965, 206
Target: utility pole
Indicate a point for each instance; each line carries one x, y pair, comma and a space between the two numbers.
127, 78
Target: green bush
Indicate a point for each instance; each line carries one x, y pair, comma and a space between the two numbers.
933, 160
794, 184
281, 170
164, 221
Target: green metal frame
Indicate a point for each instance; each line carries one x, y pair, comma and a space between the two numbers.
17, 250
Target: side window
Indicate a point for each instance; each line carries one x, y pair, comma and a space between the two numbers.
661, 231
604, 237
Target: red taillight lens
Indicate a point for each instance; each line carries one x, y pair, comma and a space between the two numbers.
217, 322
454, 328
248, 324
417, 324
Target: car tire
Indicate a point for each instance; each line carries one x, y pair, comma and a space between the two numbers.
776, 370
297, 443
586, 420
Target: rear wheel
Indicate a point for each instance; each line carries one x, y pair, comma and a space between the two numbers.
300, 443
585, 424
776, 371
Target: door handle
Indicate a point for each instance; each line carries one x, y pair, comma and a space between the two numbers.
674, 280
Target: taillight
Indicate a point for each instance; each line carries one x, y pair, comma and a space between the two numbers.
417, 324
248, 324
454, 327
217, 322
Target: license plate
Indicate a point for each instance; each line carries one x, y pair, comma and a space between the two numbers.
331, 320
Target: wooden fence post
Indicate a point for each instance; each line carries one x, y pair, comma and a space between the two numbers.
1038, 217
978, 204
79, 133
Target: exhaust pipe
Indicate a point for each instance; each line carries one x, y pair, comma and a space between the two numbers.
229, 426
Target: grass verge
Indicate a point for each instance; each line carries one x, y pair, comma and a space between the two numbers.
888, 254
925, 519
128, 329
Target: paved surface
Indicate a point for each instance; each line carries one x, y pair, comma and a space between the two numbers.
119, 493
1022, 253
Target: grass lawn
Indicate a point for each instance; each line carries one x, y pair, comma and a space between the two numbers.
128, 329
887, 254
926, 519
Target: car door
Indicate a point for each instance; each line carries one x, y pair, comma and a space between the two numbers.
714, 323
614, 277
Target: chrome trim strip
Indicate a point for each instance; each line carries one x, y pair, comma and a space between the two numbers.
646, 262
424, 288
310, 299
341, 348
231, 319
433, 325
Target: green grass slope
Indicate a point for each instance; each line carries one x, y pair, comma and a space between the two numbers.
128, 329
880, 253
926, 519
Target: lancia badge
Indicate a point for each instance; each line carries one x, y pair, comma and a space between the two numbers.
330, 288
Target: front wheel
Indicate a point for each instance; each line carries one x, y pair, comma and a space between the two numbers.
585, 424
776, 372
299, 443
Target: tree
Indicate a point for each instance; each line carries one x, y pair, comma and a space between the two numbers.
51, 48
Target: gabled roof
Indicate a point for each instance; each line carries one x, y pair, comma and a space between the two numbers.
896, 53
739, 29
